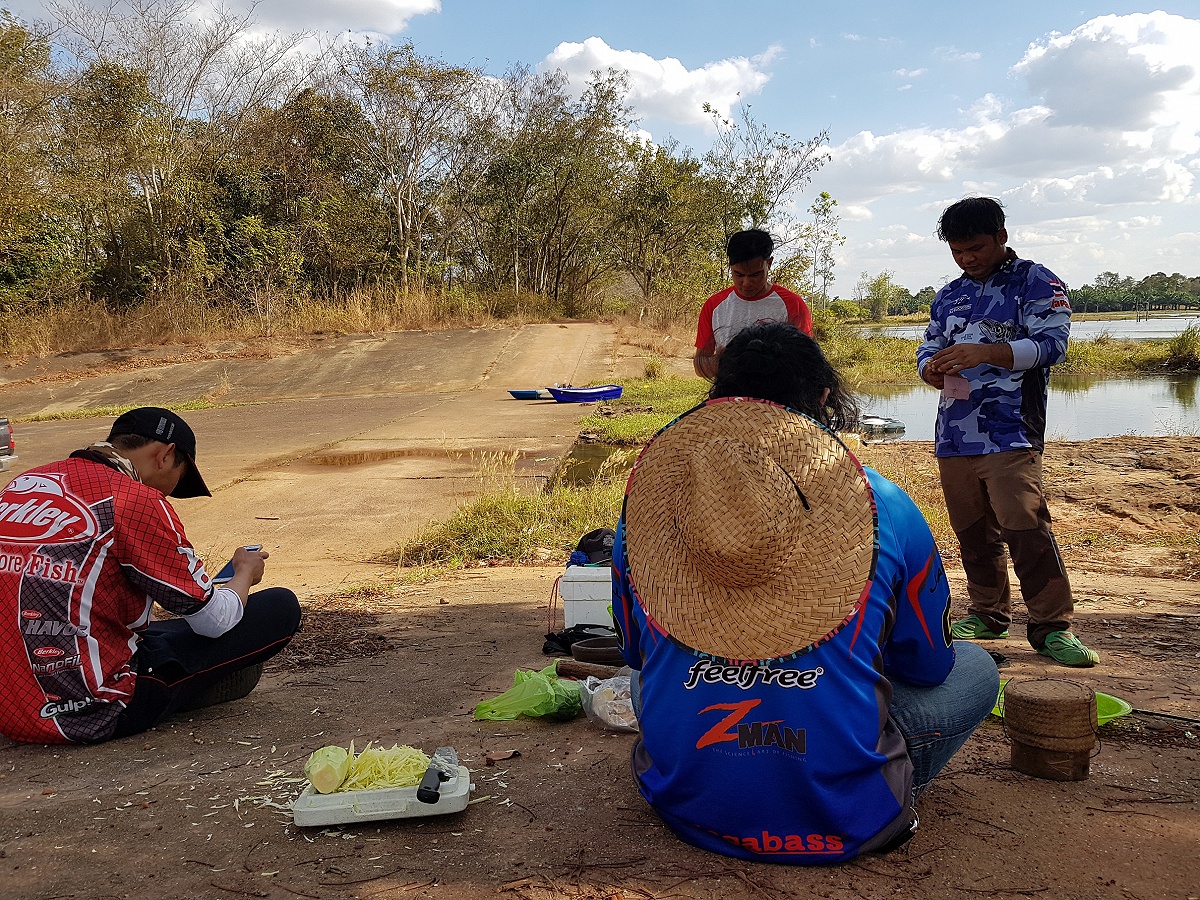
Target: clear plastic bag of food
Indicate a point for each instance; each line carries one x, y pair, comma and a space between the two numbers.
607, 702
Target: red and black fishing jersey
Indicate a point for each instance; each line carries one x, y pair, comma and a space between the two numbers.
85, 553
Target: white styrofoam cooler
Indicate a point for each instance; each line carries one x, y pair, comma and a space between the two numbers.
586, 593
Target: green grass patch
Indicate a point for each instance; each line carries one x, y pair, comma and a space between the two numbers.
871, 360
626, 430
645, 406
671, 395
1183, 542
96, 412
508, 526
1183, 350
1105, 355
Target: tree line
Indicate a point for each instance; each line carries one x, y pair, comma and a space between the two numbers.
155, 147
160, 148
877, 297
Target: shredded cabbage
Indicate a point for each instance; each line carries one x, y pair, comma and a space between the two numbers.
375, 767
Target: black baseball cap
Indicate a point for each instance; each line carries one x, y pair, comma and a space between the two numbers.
598, 545
162, 425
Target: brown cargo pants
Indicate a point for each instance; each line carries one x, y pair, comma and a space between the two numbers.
996, 499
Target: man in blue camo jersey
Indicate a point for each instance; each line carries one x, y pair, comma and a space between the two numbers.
993, 335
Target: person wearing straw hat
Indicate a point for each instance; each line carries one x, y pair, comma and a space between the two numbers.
787, 615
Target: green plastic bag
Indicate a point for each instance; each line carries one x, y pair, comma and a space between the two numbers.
534, 694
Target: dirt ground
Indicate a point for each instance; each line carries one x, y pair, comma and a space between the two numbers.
200, 806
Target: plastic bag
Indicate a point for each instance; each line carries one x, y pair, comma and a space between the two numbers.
607, 702
534, 694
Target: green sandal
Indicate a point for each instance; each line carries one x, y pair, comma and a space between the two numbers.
973, 628
1065, 649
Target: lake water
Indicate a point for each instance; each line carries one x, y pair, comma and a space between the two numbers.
1080, 407
1156, 329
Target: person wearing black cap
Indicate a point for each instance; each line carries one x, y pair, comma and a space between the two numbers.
88, 545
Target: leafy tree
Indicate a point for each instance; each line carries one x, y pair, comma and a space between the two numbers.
846, 309
818, 240
663, 222
36, 230
415, 110
877, 294
174, 83
302, 170
108, 158
547, 205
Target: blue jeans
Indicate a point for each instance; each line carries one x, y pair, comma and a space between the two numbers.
935, 721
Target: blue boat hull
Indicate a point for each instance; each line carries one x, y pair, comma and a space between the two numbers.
538, 394
586, 395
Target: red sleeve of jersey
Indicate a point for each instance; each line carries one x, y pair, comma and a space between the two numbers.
798, 312
704, 330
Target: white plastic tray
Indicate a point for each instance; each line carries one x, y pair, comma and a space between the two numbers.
340, 807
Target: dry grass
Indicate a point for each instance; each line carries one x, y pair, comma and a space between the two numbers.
83, 325
916, 472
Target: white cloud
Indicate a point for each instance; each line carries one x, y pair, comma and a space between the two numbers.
1137, 73
1098, 162
910, 73
665, 88
378, 17
1072, 145
952, 54
1143, 222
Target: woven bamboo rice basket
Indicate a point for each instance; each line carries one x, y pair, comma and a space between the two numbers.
1052, 725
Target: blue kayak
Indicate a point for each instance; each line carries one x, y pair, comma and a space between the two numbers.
587, 394
538, 394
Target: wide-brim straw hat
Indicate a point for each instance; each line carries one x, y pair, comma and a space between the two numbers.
750, 531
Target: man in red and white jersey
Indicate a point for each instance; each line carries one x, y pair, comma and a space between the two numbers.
752, 299
88, 545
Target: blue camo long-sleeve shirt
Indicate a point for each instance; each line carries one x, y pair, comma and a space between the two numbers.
794, 761
1024, 305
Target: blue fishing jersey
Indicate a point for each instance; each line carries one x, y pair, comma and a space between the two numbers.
794, 761
1024, 305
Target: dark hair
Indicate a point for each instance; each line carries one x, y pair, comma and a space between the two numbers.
778, 362
748, 245
128, 441
970, 217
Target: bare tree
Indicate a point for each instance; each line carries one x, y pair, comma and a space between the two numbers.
818, 240
763, 171
418, 111
197, 74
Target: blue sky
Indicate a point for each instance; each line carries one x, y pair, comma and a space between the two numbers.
1084, 118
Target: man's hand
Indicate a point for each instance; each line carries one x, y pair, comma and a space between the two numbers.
248, 568
957, 358
705, 363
